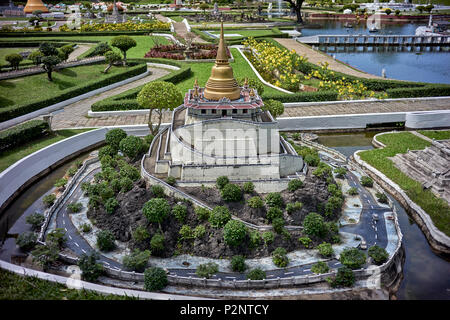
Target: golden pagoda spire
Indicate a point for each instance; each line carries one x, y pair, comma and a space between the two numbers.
221, 83
33, 5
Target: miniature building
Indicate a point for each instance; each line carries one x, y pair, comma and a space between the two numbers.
221, 130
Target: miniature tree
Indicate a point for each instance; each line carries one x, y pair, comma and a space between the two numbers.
378, 254
50, 58
280, 258
27, 240
155, 279
36, 57
65, 51
156, 210
234, 233
352, 258
275, 107
137, 260
219, 216
36, 220
123, 43
237, 264
111, 58
206, 270
256, 274
159, 96
90, 269
14, 59
105, 240
313, 225
131, 146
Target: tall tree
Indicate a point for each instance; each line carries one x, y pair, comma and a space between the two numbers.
50, 58
297, 6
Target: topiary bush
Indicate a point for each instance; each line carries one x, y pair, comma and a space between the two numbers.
248, 187
36, 220
325, 249
179, 212
105, 241
231, 193
274, 199
157, 242
114, 137
255, 202
131, 146
156, 210
27, 240
320, 267
378, 254
219, 216
280, 258
221, 182
234, 233
155, 279
107, 151
237, 264
314, 225
295, 184
256, 274
90, 269
206, 270
278, 225
137, 260
352, 258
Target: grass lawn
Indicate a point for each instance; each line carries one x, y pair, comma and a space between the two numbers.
144, 43
437, 208
5, 51
245, 33
202, 71
11, 156
16, 287
37, 87
436, 134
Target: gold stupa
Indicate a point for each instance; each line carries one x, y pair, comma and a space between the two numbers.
221, 83
33, 5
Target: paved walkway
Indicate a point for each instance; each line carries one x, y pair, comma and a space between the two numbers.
316, 57
75, 114
82, 48
367, 107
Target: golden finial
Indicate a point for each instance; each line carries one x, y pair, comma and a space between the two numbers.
196, 83
252, 93
246, 83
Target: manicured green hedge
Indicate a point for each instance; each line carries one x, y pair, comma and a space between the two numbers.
22, 133
426, 91
77, 34
127, 99
303, 96
19, 110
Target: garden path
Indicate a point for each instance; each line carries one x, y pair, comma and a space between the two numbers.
316, 57
82, 48
75, 114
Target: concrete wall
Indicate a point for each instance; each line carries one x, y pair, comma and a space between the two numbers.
18, 174
428, 119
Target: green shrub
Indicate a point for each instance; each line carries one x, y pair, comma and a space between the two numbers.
295, 184
199, 231
278, 225
90, 269
140, 234
186, 232
57, 237
333, 205
219, 216
155, 279
105, 241
221, 182
344, 278
231, 193
352, 258
14, 60
156, 210
274, 213
382, 197
325, 249
111, 205
157, 191
61, 183
107, 151
179, 212
36, 220
115, 185
268, 237
206, 270
320, 267
157, 242
292, 207
256, 274
313, 225
275, 107
280, 258
234, 232
274, 199
340, 172
238, 264
131, 146
323, 170
126, 184
71, 172
248, 187
27, 240
367, 181
305, 241
378, 254
255, 202
86, 227
171, 181
23, 133
255, 238
45, 255
202, 213
352, 191
106, 192
137, 260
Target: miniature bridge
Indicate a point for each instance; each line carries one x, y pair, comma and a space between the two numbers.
375, 40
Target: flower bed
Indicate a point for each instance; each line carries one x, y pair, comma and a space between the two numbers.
126, 26
175, 52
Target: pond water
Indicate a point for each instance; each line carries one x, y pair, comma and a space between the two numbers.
426, 274
413, 64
